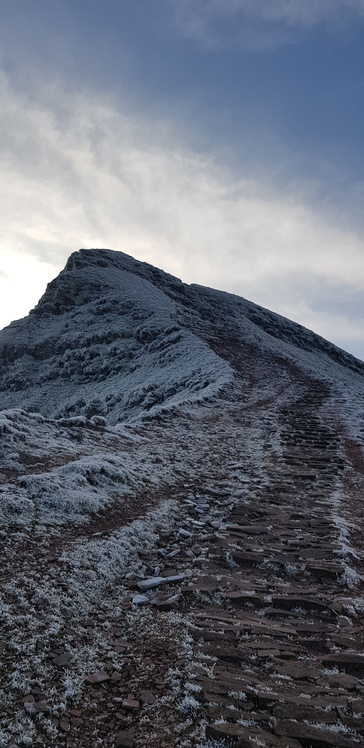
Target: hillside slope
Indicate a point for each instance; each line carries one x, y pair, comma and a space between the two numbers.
181, 520
118, 338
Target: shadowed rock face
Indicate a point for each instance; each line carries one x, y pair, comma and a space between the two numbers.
119, 338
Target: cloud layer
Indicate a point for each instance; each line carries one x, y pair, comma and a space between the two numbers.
258, 23
79, 172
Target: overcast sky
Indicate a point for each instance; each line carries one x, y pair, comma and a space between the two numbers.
221, 140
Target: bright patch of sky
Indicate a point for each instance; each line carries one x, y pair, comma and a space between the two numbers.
218, 139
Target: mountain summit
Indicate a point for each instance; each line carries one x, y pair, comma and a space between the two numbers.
118, 338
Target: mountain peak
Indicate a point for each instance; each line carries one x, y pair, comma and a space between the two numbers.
119, 338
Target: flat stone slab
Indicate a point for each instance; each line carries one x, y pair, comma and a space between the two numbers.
249, 529
130, 704
340, 680
298, 671
351, 661
314, 737
242, 737
248, 558
329, 571
300, 712
306, 603
243, 598
148, 584
100, 677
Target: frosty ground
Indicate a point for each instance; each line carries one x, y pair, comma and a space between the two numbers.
177, 438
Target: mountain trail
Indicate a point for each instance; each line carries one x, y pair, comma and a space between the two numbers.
220, 606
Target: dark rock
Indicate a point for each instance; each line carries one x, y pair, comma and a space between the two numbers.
350, 661
301, 712
298, 670
100, 677
147, 697
130, 704
306, 603
314, 737
339, 680
241, 737
125, 738
76, 721
63, 659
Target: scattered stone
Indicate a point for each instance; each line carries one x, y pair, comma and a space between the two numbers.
174, 553
125, 738
130, 704
62, 660
43, 707
147, 584
115, 677
140, 600
76, 721
175, 578
190, 554
100, 677
147, 697
168, 604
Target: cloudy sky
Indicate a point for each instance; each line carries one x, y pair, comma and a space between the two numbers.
221, 140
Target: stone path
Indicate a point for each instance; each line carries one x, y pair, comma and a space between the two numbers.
287, 641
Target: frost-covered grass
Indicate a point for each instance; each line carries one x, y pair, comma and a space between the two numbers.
71, 492
61, 472
41, 603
